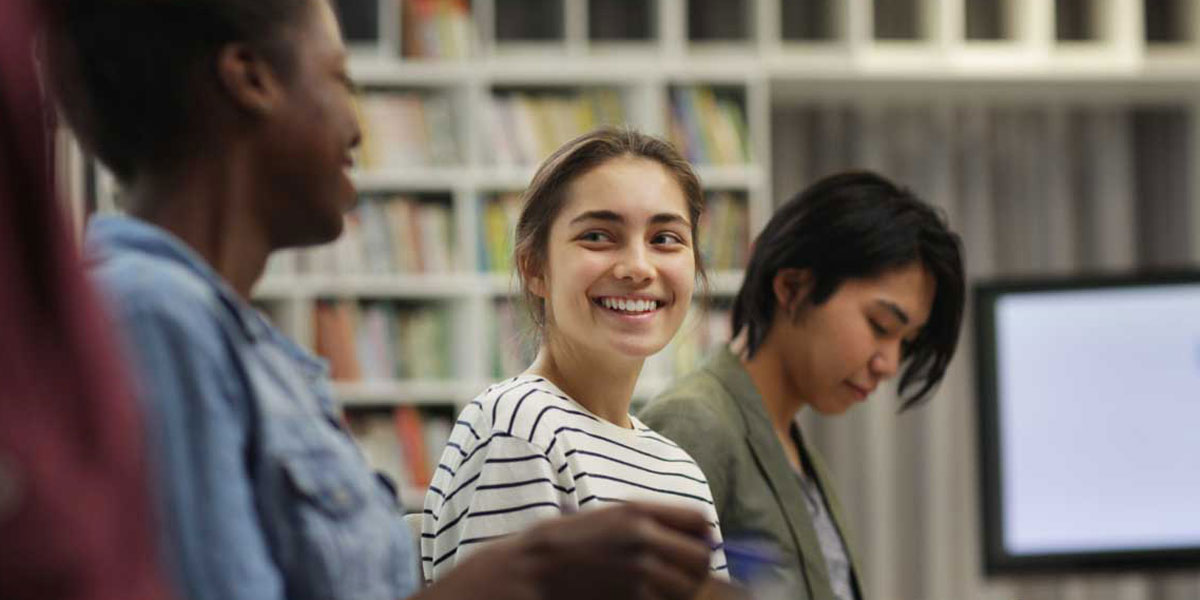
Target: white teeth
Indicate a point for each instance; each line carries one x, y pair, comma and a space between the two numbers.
632, 306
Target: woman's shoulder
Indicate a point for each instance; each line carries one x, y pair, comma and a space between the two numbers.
526, 407
697, 403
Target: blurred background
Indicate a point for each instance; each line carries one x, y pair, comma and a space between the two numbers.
1057, 135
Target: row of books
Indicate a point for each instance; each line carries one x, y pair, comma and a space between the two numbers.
497, 227
404, 443
708, 127
395, 234
438, 29
527, 126
378, 340
725, 231
405, 129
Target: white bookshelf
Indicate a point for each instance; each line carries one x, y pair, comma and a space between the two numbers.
766, 60
760, 57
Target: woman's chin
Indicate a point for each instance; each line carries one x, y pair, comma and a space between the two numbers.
637, 349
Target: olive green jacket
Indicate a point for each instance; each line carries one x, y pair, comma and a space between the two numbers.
717, 415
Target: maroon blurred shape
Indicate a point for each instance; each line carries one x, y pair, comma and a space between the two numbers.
74, 513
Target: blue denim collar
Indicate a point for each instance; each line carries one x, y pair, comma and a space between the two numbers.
108, 235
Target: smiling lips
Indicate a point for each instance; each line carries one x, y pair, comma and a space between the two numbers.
862, 392
632, 306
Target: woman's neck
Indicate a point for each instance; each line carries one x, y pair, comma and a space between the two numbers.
604, 388
770, 377
210, 207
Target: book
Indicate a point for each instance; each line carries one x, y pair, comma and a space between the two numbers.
383, 340
438, 29
498, 226
391, 234
412, 445
406, 129
526, 126
334, 324
708, 127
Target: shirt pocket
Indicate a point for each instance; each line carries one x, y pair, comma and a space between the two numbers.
342, 543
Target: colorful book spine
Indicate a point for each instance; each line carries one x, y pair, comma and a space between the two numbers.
384, 340
526, 126
397, 234
707, 127
406, 129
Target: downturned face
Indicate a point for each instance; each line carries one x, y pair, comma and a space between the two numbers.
620, 271
837, 353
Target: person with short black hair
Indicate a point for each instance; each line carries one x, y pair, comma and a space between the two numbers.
853, 281
230, 124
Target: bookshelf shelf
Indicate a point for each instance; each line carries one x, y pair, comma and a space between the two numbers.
380, 393
389, 286
411, 179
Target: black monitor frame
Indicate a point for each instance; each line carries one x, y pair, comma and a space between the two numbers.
996, 560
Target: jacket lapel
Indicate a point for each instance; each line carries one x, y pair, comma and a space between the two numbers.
779, 474
835, 506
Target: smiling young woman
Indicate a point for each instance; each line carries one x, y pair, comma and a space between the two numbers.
607, 259
852, 282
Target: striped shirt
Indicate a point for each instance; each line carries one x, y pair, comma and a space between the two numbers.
523, 452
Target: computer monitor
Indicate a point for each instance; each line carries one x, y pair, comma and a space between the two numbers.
1089, 423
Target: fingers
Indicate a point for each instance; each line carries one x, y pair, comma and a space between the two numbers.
667, 581
688, 553
685, 521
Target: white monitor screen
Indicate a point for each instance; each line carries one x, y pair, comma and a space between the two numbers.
1097, 419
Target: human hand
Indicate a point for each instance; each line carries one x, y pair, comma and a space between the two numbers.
636, 551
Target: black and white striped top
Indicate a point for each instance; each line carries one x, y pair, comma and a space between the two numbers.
523, 452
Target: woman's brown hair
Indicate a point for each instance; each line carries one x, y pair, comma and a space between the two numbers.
544, 198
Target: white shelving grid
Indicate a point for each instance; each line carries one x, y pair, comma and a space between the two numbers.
761, 53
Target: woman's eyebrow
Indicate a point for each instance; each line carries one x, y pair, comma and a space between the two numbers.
663, 218
895, 310
598, 215
608, 215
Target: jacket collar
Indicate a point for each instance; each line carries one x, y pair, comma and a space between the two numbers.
781, 477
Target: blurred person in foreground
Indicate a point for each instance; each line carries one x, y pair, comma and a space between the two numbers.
74, 508
853, 281
230, 124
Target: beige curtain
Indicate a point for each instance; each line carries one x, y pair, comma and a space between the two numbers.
1033, 189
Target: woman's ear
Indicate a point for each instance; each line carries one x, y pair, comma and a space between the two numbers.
533, 276
791, 288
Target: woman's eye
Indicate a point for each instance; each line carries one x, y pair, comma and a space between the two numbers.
595, 236
667, 238
877, 328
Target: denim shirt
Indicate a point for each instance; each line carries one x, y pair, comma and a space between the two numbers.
263, 494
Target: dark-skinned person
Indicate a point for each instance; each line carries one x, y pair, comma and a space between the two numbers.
852, 282
230, 126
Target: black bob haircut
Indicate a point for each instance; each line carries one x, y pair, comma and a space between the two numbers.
125, 71
858, 225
